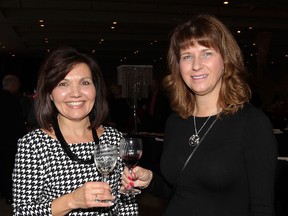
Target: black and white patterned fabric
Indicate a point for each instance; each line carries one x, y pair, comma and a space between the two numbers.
43, 172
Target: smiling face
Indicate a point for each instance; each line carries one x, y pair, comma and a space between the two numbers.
201, 69
74, 96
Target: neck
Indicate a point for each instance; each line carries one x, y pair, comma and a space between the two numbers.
203, 111
74, 132
206, 105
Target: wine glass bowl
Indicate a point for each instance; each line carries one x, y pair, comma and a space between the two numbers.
130, 152
105, 158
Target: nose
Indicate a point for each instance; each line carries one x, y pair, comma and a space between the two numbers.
197, 63
75, 91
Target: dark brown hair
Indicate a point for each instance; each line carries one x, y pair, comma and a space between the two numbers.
208, 31
57, 65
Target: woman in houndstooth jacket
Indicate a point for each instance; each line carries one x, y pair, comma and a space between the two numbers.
54, 172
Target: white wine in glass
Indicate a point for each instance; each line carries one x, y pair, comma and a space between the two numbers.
130, 152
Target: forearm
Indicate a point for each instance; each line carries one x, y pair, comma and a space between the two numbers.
62, 205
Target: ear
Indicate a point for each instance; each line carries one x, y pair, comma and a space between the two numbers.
51, 97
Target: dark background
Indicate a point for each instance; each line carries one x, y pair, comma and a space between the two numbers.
141, 35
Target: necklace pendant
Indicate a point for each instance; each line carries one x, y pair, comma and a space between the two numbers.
194, 140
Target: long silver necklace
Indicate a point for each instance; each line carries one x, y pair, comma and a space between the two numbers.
194, 138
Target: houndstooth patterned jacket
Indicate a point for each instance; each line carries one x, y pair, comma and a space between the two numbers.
43, 172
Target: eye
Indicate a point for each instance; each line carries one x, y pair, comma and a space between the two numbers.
186, 57
62, 84
86, 82
207, 54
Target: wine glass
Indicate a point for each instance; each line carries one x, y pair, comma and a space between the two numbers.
105, 158
130, 151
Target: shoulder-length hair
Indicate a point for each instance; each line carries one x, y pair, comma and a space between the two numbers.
208, 31
57, 65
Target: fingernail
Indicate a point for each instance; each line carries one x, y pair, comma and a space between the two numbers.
129, 177
131, 184
128, 187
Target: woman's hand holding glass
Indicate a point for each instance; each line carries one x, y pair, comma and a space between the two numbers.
140, 177
89, 195
130, 152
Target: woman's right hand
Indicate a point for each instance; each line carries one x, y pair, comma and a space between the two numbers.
88, 195
140, 177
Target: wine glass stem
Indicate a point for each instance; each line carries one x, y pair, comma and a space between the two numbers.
105, 178
132, 174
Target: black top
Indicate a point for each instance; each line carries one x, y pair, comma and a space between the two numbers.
231, 173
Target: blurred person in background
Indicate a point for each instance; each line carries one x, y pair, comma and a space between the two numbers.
13, 127
156, 110
120, 111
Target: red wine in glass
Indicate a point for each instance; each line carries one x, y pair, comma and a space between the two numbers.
131, 160
131, 152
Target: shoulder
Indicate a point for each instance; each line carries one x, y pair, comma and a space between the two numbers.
248, 119
111, 133
110, 129
252, 113
34, 140
257, 131
173, 116
35, 134
253, 120
175, 122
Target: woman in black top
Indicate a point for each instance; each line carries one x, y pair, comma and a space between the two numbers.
232, 169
